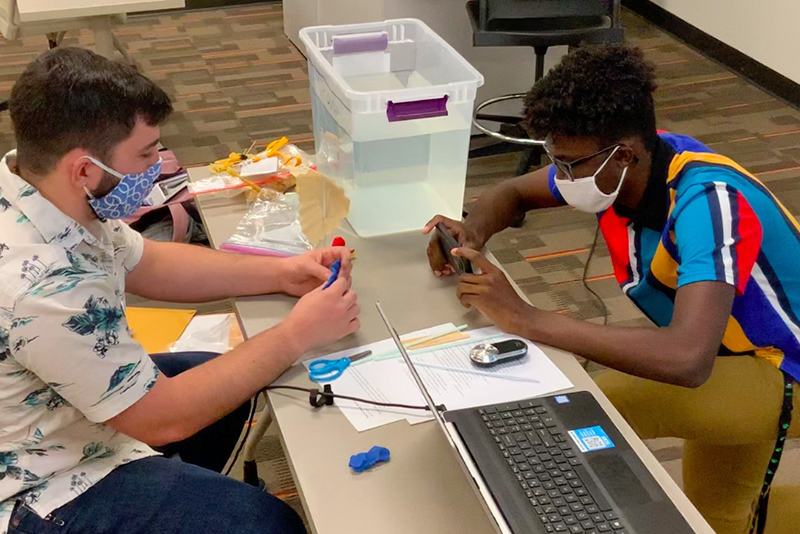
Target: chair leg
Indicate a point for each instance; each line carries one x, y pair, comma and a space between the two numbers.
530, 157
54, 39
541, 52
103, 38
121, 48
532, 154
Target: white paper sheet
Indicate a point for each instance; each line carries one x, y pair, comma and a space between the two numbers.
210, 333
257, 168
391, 381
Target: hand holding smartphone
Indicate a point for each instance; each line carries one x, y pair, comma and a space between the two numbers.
447, 243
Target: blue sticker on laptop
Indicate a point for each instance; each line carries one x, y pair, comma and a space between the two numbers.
593, 438
562, 399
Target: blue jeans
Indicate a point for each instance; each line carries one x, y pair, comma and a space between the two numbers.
171, 496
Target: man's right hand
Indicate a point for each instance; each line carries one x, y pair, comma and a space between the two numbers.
322, 316
436, 257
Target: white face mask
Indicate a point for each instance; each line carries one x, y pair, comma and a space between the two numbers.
583, 193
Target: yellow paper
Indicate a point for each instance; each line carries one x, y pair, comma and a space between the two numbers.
157, 328
323, 204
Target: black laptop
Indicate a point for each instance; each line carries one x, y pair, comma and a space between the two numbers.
554, 464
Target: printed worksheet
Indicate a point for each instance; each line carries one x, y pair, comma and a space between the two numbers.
449, 376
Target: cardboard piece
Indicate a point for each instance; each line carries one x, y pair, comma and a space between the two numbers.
323, 204
157, 328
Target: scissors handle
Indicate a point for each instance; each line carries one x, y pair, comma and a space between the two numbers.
327, 370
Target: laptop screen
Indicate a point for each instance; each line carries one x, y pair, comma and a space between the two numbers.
404, 353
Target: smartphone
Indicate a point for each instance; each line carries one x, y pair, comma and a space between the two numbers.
447, 243
502, 351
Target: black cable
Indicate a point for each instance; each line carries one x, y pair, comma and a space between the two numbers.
759, 520
246, 433
327, 394
317, 399
586, 285
586, 271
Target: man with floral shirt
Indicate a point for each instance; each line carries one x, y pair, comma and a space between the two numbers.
82, 403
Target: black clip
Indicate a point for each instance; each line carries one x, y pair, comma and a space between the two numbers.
318, 400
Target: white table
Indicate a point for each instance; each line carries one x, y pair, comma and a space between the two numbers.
98, 15
422, 489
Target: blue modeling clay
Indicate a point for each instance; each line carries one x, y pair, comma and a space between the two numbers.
364, 460
334, 273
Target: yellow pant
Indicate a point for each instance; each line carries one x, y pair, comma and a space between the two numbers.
730, 425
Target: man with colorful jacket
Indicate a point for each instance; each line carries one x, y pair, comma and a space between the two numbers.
698, 244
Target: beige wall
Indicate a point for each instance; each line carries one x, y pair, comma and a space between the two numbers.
766, 30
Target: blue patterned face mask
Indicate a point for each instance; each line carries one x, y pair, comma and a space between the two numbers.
127, 196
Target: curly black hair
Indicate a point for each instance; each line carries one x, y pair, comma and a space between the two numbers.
602, 92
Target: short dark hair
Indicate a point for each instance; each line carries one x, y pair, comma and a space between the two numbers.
70, 98
603, 92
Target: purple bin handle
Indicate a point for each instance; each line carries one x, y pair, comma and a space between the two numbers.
354, 43
418, 109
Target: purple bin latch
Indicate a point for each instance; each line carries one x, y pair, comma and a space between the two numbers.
363, 42
418, 109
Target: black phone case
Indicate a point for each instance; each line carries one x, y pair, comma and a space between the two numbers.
447, 243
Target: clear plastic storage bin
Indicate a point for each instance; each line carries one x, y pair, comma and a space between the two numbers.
392, 104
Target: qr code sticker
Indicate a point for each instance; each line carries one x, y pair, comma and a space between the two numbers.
591, 439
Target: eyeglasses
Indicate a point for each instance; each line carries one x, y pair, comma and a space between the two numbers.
566, 166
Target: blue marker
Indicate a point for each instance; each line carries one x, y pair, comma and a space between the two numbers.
334, 273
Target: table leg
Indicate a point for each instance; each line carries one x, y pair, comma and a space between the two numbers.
121, 49
103, 38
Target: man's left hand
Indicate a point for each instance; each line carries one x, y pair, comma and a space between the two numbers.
491, 293
301, 274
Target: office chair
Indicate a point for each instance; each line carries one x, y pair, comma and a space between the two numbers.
539, 24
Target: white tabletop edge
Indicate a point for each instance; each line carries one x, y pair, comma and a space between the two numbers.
54, 10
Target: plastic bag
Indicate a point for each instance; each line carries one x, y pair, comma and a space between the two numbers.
224, 184
206, 333
270, 227
227, 171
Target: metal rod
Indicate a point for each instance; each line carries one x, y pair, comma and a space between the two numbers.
498, 135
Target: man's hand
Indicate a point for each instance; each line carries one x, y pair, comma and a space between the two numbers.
180, 406
323, 316
304, 273
465, 238
491, 293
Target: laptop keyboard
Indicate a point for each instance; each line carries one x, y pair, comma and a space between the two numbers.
548, 470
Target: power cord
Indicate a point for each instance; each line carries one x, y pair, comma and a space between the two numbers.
242, 443
317, 399
586, 285
325, 397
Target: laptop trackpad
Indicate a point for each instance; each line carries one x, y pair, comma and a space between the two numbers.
620, 481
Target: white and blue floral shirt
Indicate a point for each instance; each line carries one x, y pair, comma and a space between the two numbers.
67, 359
